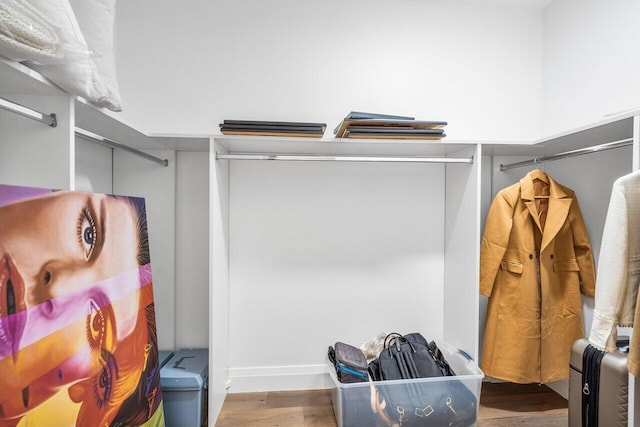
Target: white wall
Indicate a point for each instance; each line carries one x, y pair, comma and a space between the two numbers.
192, 250
590, 65
94, 166
32, 153
322, 252
136, 176
478, 66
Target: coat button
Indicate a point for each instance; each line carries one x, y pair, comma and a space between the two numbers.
551, 256
530, 256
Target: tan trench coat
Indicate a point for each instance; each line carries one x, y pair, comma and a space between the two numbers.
534, 261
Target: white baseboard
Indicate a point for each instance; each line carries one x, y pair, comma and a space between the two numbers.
278, 378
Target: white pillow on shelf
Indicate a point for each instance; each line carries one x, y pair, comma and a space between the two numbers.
96, 19
77, 73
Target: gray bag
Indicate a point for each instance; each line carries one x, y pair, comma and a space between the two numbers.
349, 362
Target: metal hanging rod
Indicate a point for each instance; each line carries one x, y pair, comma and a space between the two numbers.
566, 154
317, 157
48, 119
92, 137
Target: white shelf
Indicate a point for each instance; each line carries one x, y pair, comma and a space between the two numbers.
103, 123
340, 146
18, 79
612, 129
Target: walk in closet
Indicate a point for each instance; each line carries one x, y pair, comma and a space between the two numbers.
267, 249
314, 240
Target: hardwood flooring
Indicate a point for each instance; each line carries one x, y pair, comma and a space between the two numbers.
507, 404
501, 405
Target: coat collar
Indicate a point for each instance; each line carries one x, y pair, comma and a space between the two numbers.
560, 199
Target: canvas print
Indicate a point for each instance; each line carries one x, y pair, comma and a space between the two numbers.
78, 341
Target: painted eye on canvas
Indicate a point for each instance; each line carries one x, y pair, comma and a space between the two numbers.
87, 232
96, 326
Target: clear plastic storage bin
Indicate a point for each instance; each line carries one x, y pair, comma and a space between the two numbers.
353, 403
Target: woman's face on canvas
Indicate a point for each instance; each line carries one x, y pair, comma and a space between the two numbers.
53, 251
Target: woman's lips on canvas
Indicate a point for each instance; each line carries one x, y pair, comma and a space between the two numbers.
11, 302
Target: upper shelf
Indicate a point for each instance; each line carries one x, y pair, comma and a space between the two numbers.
95, 120
614, 128
19, 81
611, 129
342, 146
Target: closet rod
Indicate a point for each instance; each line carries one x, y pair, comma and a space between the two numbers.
317, 157
92, 137
48, 119
573, 153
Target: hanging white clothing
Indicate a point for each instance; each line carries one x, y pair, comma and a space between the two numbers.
618, 265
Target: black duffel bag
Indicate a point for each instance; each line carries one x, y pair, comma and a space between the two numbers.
447, 402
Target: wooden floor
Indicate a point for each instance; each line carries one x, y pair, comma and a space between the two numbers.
502, 404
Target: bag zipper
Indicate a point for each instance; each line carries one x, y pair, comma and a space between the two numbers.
351, 371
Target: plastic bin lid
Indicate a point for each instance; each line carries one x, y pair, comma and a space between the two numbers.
164, 356
187, 370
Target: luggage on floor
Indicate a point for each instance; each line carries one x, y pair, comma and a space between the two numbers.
597, 394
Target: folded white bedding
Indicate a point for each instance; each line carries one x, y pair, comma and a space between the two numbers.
46, 36
27, 35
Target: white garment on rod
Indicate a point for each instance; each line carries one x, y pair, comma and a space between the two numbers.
618, 273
